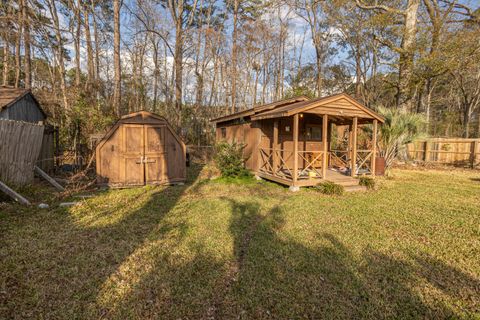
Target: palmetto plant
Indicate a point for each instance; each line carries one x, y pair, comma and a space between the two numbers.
400, 128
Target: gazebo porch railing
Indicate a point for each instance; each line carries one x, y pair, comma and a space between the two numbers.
342, 158
275, 162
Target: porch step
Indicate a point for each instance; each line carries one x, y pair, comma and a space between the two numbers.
355, 188
346, 182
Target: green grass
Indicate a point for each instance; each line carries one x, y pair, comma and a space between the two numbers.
223, 249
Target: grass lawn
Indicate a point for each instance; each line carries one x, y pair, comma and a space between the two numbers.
228, 249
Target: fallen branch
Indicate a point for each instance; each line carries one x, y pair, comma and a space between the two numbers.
83, 173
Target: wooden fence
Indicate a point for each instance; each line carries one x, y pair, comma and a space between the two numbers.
20, 144
457, 151
46, 158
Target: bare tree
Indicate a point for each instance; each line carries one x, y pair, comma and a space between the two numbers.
116, 58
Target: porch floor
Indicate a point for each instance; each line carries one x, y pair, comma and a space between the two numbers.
305, 181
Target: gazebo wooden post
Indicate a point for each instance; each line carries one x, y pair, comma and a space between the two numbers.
374, 147
275, 146
294, 186
349, 145
325, 145
354, 147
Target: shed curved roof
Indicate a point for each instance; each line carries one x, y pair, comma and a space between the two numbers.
140, 117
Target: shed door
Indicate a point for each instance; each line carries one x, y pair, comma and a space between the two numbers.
155, 154
134, 171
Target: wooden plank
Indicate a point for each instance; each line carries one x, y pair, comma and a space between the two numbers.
14, 195
325, 145
426, 153
45, 176
473, 156
21, 144
354, 146
374, 146
340, 112
295, 149
275, 145
283, 181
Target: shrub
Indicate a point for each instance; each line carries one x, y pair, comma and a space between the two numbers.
368, 182
229, 159
330, 188
400, 128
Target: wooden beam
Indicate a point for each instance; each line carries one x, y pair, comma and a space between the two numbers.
427, 151
295, 149
325, 145
349, 146
374, 146
354, 146
45, 176
15, 196
275, 146
474, 151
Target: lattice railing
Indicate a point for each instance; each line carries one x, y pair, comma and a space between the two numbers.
276, 162
364, 162
312, 162
340, 158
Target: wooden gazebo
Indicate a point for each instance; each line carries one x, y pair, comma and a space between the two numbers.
290, 141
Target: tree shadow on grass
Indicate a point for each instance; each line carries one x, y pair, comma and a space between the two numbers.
277, 277
57, 263
150, 264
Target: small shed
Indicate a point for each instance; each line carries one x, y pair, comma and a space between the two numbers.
141, 148
20, 104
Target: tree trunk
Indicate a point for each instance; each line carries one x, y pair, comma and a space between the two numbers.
60, 51
466, 123
6, 56
88, 38
156, 73
18, 42
405, 69
478, 126
178, 66
77, 44
116, 58
97, 45
234, 55
358, 72
26, 41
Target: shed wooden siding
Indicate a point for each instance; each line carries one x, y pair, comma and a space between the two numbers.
25, 109
259, 134
141, 148
247, 133
285, 140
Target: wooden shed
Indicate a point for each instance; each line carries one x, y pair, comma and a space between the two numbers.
141, 148
291, 141
20, 104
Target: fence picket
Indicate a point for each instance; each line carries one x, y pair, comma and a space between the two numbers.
455, 151
20, 144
